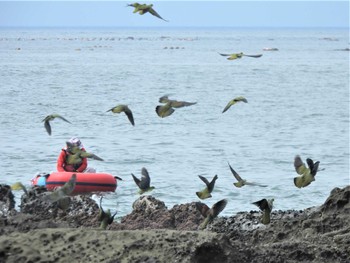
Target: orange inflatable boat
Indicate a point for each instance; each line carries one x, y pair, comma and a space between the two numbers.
85, 183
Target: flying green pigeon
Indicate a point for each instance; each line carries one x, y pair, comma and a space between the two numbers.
144, 183
164, 110
19, 186
212, 213
126, 110
63, 191
51, 118
175, 103
76, 154
307, 175
143, 9
206, 192
241, 182
265, 206
164, 99
239, 55
168, 108
234, 101
105, 218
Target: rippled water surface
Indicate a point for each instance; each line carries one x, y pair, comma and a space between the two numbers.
298, 103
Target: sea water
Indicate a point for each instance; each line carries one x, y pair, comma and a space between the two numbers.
298, 103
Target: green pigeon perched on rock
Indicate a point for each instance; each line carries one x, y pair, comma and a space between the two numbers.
105, 218
50, 118
265, 206
123, 108
143, 9
76, 154
210, 214
241, 182
307, 174
144, 183
234, 101
234, 56
206, 192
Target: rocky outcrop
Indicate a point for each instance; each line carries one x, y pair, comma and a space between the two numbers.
317, 234
7, 200
150, 213
36, 212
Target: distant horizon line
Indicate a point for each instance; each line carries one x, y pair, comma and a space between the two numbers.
175, 27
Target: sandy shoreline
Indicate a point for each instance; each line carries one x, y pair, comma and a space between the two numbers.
153, 233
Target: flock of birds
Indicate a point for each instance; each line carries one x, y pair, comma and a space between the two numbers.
166, 109
306, 176
306, 173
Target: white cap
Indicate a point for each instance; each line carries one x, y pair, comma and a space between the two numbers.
76, 142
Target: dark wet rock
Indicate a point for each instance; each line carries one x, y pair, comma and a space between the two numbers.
186, 216
316, 234
7, 200
81, 210
337, 201
36, 212
150, 213
31, 203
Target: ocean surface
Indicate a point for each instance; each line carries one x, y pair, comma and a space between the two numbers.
298, 103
